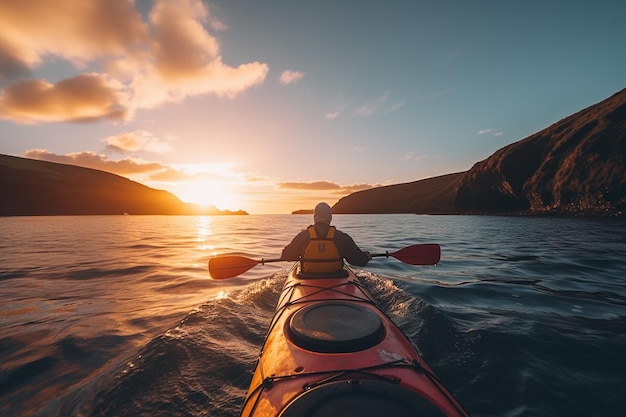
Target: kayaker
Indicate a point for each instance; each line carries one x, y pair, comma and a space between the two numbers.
321, 248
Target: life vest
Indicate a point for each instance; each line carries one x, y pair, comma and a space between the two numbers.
321, 254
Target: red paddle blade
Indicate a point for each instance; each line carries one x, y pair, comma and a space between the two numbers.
422, 254
223, 267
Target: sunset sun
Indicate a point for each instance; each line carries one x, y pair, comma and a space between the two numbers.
208, 193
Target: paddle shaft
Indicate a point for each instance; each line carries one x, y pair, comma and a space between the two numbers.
229, 266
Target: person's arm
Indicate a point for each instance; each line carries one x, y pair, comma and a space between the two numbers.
296, 247
350, 251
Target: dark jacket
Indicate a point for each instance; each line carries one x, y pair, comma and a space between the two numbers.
346, 246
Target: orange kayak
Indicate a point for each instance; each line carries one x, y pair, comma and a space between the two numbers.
330, 351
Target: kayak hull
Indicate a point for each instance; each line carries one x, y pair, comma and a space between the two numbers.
330, 351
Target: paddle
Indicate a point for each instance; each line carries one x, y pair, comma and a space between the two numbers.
422, 254
229, 266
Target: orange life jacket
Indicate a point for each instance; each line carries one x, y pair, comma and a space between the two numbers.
321, 254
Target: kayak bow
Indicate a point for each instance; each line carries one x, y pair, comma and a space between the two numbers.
331, 351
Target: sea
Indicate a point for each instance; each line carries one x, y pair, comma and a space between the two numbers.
104, 316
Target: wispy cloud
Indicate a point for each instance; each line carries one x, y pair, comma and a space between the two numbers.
127, 166
372, 106
395, 106
316, 185
337, 108
412, 156
143, 62
382, 104
486, 131
358, 187
139, 140
290, 77
332, 115
324, 186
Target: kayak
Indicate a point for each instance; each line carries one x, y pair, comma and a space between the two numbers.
331, 351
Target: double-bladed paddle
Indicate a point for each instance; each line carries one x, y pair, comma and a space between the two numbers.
229, 266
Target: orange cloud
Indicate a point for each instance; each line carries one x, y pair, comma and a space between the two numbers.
316, 185
93, 160
175, 24
358, 187
78, 31
169, 174
136, 141
323, 186
83, 98
290, 77
169, 57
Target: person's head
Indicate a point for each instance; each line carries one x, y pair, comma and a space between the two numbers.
322, 213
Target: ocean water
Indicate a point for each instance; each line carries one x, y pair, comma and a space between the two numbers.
117, 316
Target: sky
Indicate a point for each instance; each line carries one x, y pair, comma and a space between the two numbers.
272, 106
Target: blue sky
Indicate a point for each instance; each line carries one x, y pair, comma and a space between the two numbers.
271, 106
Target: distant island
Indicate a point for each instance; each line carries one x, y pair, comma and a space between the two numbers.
38, 188
306, 211
576, 167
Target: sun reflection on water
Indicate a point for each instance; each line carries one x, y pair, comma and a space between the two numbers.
204, 228
204, 233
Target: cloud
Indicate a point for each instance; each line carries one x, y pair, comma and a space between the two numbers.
167, 57
333, 115
371, 106
84, 98
290, 77
358, 187
395, 106
170, 174
11, 67
485, 131
316, 185
139, 140
379, 104
411, 156
93, 160
78, 31
324, 186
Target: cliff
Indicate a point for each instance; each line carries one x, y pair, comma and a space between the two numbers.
574, 167
30, 187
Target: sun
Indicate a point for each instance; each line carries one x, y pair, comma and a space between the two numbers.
206, 193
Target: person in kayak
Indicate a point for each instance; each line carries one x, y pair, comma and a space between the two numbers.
321, 248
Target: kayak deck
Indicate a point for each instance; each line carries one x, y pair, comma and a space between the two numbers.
330, 351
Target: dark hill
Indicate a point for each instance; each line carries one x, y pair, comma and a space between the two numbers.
428, 196
32, 187
577, 166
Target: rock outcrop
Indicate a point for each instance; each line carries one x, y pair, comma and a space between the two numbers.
575, 167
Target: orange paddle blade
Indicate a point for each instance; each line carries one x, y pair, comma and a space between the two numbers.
223, 267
